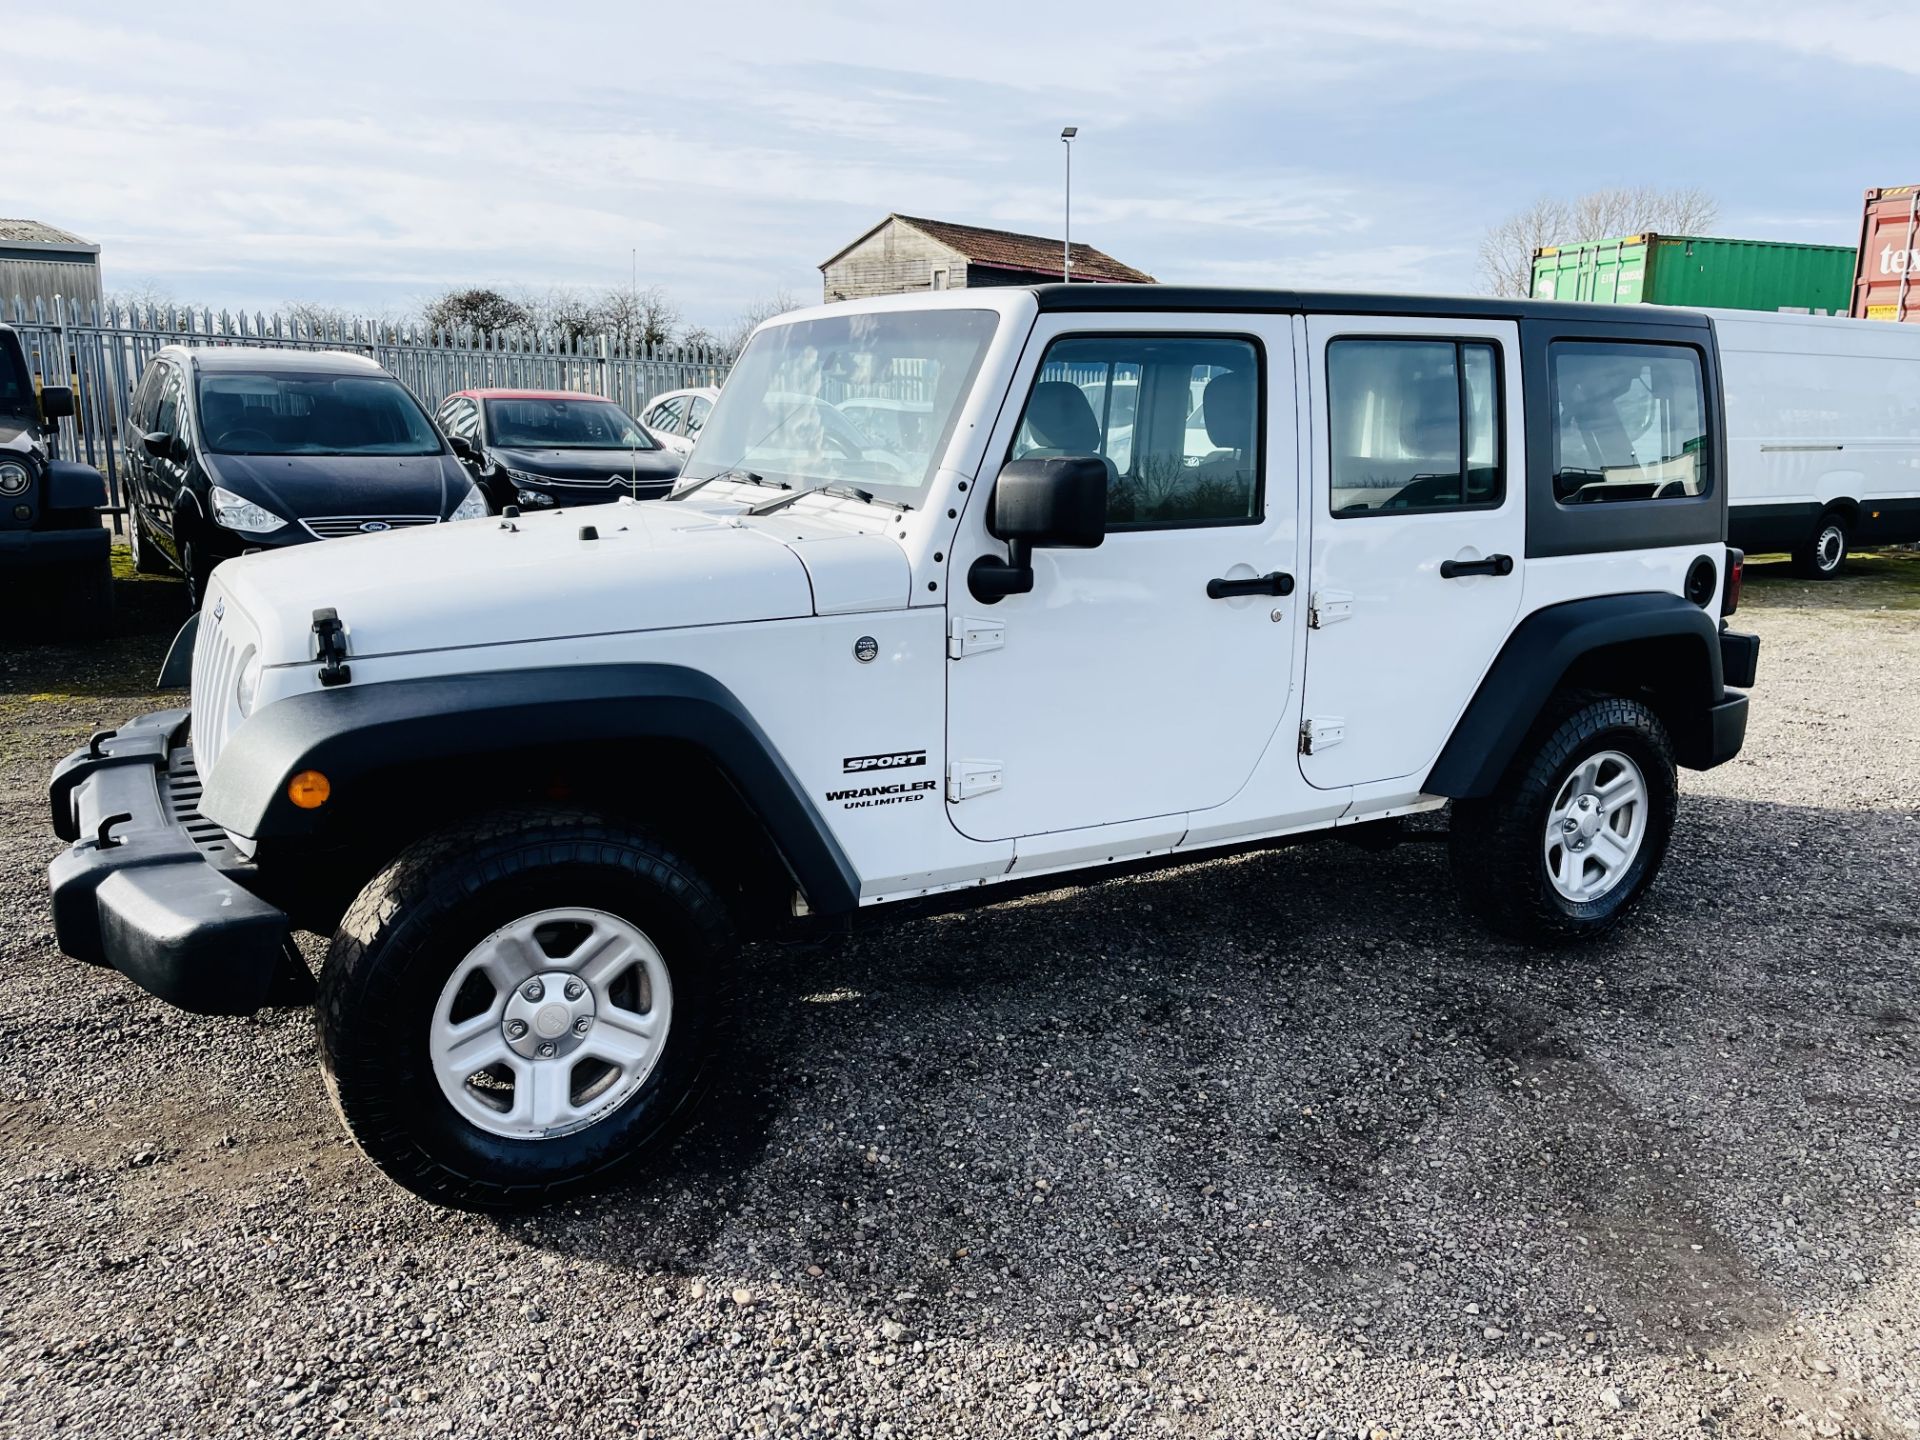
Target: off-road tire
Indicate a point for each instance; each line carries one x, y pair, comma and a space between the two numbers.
1823, 555
82, 600
1496, 844
411, 926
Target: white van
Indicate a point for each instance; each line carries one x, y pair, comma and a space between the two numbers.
1823, 434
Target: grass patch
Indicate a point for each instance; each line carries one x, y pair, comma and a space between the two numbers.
1873, 581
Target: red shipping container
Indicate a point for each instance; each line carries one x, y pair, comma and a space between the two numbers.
1886, 282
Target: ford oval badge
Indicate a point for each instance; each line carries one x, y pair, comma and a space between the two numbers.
374, 527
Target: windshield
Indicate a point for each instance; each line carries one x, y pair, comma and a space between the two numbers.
16, 386
798, 407
583, 424
259, 414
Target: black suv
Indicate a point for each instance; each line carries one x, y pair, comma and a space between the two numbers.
539, 448
49, 509
230, 450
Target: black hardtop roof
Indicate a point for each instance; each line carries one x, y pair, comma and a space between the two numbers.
215, 359
1215, 300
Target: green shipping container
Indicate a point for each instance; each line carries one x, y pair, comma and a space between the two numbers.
1694, 270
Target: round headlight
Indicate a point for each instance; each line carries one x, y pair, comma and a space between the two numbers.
247, 687
14, 478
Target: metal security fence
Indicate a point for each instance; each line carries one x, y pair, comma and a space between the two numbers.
102, 353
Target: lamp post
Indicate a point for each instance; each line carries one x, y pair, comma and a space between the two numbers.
1066, 241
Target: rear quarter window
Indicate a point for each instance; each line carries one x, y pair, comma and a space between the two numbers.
1630, 422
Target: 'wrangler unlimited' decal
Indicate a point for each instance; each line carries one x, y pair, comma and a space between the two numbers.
903, 794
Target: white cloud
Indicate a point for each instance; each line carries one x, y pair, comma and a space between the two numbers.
247, 153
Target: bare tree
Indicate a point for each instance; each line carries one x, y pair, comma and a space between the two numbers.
631, 317
734, 340
141, 295
480, 309
1507, 249
698, 337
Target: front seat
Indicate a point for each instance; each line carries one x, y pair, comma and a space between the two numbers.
1226, 407
1061, 421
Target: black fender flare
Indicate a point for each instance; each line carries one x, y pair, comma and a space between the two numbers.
359, 730
72, 485
1539, 654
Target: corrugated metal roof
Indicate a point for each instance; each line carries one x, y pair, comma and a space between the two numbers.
33, 232
1009, 250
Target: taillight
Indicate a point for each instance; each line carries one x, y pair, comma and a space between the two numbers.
1736, 567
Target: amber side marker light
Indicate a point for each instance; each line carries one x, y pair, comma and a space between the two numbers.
309, 789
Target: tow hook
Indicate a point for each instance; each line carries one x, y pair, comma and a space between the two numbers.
330, 647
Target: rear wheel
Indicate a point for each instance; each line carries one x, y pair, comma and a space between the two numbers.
520, 1007
1824, 555
1578, 827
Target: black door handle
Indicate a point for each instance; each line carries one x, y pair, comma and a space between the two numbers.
1492, 565
1277, 583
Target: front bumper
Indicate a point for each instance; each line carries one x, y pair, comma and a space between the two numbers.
149, 886
35, 549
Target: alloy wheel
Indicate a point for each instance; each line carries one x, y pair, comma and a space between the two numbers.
1595, 826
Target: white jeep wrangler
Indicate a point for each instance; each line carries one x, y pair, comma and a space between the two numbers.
1131, 574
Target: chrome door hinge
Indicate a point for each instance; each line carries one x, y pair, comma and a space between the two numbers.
968, 778
1321, 732
968, 636
1329, 607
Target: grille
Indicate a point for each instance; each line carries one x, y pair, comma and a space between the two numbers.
183, 794
220, 648
336, 527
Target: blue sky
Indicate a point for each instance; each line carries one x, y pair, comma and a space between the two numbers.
369, 156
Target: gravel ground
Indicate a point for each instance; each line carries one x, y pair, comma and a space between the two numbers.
1279, 1145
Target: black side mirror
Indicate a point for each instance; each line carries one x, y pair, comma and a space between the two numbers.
56, 401
464, 448
158, 443
1059, 502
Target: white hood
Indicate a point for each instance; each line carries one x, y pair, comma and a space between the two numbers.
653, 566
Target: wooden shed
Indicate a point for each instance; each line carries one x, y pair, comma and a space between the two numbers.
905, 253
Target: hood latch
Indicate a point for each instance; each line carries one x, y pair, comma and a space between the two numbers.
330, 647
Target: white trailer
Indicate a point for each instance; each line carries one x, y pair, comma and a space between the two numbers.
1823, 434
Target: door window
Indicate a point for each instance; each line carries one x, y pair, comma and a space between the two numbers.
697, 410
166, 417
460, 417
1629, 422
1415, 425
146, 399
1177, 419
666, 415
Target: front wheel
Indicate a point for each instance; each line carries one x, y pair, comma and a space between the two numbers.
1578, 827
522, 1006
146, 559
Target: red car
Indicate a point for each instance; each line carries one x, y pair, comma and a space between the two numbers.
541, 448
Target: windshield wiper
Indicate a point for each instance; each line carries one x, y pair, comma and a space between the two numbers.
734, 474
849, 492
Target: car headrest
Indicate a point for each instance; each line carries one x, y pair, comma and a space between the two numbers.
1227, 407
1061, 418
